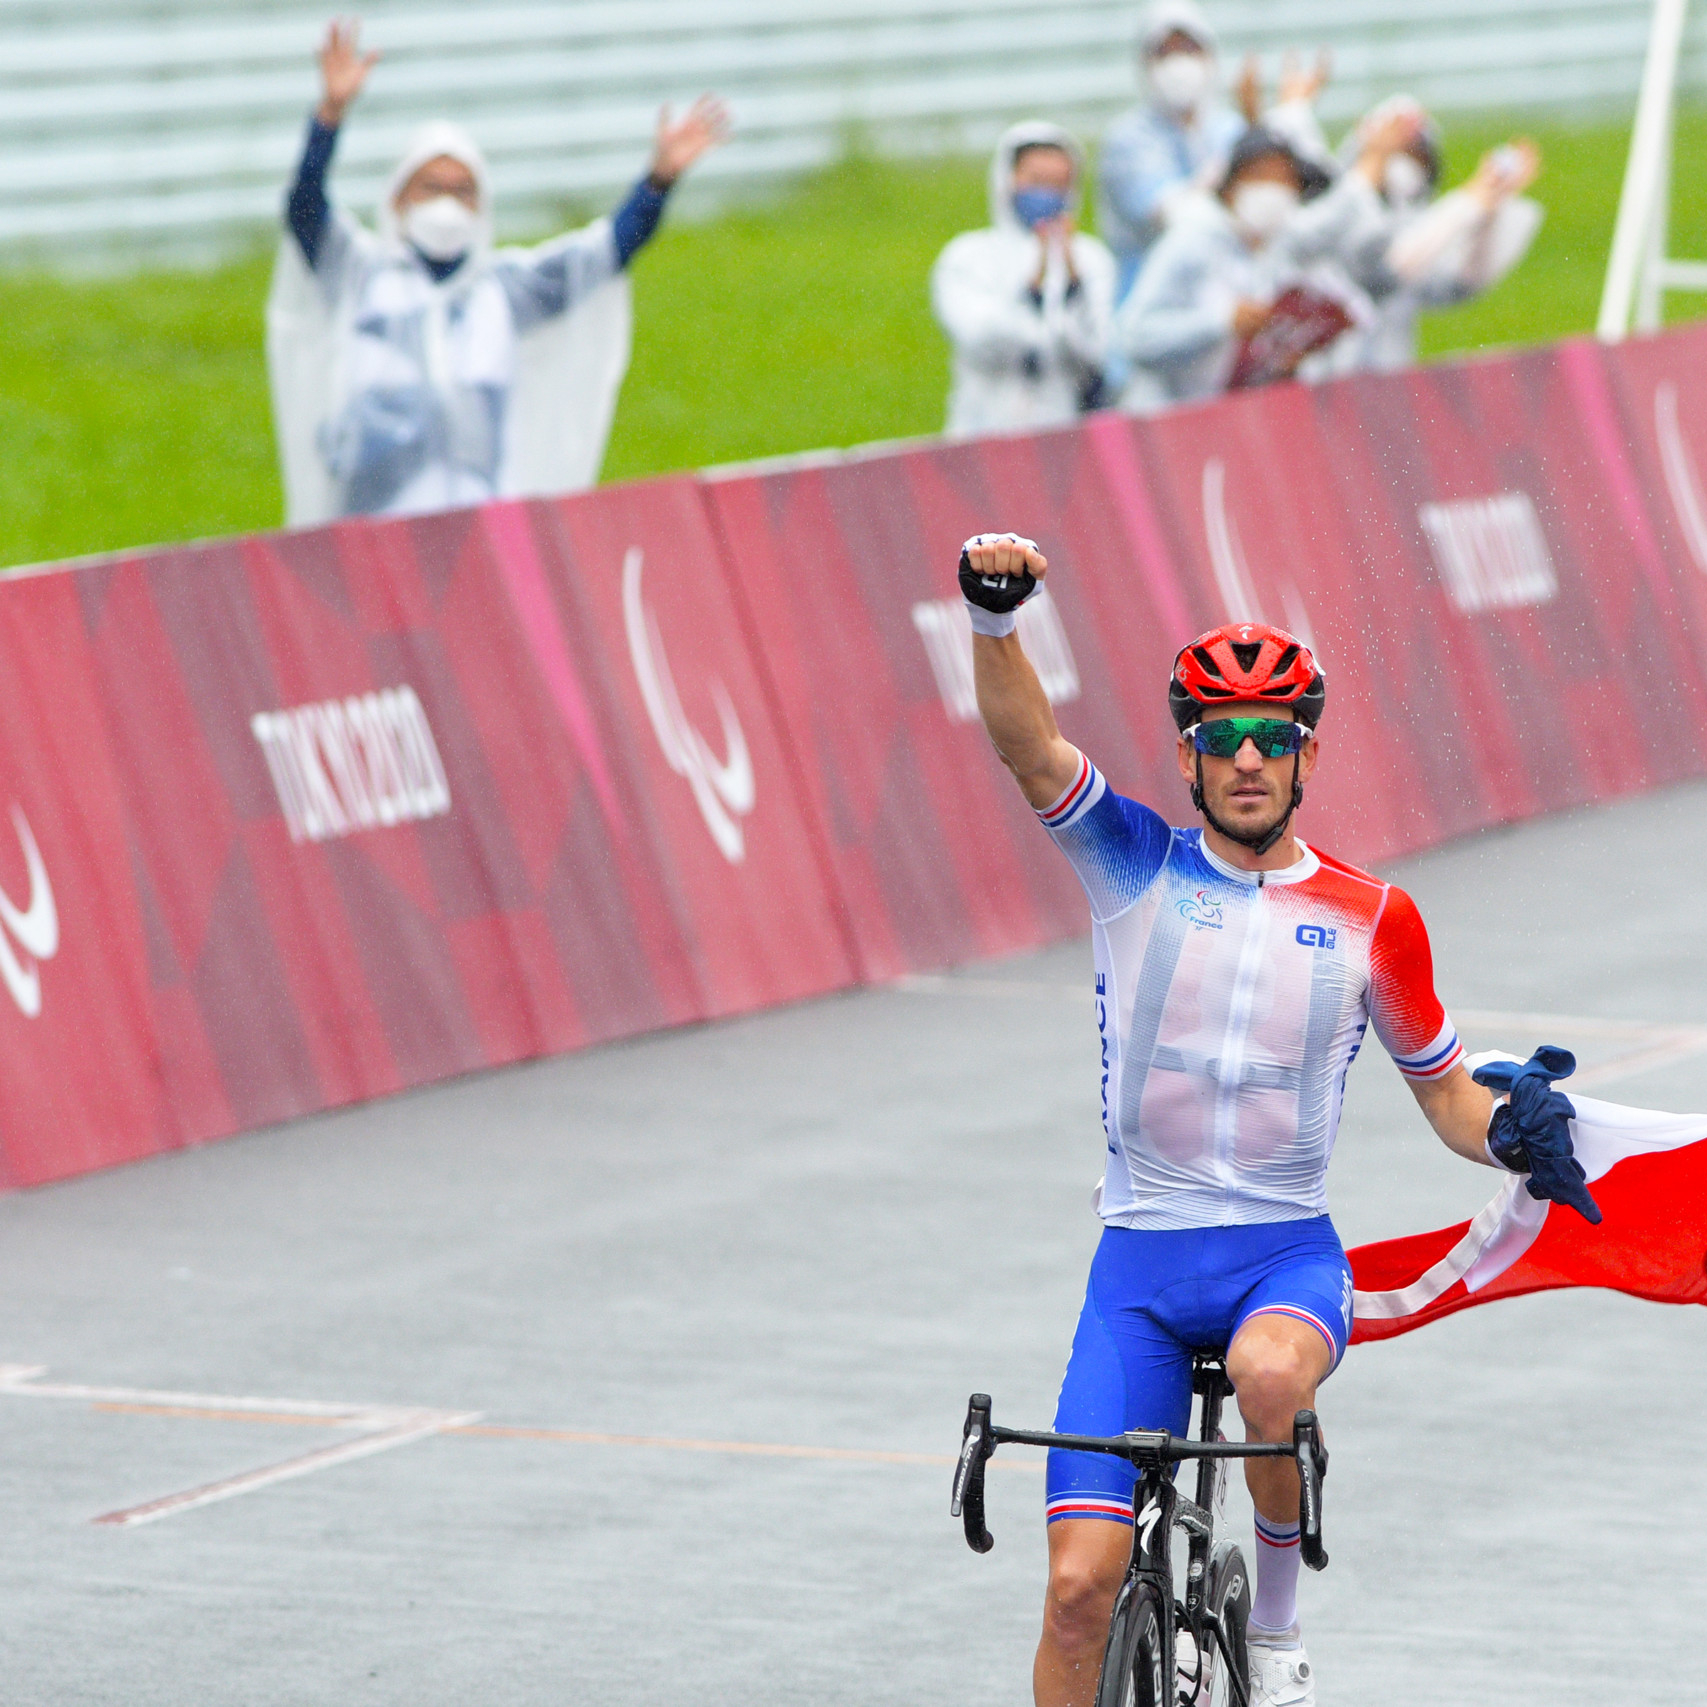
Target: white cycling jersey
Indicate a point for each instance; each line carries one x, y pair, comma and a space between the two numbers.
1230, 1006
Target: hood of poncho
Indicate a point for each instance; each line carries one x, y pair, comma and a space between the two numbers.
1031, 134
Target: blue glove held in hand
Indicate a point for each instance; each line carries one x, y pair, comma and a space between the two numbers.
1531, 1134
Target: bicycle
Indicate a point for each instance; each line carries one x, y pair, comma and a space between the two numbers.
1142, 1649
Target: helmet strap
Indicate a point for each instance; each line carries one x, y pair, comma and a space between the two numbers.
1259, 845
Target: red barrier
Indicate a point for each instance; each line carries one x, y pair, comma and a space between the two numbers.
1446, 542
846, 577
80, 1074
306, 818
397, 808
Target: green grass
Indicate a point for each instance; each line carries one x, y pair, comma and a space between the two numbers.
135, 410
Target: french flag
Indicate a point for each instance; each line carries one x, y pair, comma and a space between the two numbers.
1648, 1172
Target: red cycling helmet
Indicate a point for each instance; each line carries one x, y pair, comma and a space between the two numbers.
1251, 661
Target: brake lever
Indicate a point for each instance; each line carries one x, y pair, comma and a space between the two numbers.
1312, 1467
976, 1446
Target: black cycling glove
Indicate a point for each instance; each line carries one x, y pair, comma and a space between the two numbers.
1531, 1133
997, 593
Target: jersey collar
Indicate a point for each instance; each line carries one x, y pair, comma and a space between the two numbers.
1298, 872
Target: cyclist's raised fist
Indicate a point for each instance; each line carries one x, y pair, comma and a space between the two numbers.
1000, 571
995, 554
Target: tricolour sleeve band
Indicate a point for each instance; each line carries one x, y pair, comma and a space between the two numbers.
1086, 790
1438, 1059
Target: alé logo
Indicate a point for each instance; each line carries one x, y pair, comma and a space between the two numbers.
28, 934
1202, 910
723, 789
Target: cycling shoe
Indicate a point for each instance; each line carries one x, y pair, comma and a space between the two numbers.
1281, 1676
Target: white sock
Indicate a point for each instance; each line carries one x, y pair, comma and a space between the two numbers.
1274, 1610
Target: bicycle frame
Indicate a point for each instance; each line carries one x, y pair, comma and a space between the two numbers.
1157, 1505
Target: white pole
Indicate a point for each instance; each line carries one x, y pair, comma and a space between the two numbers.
1650, 278
1643, 171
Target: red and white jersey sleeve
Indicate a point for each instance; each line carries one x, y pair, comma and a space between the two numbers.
1407, 1015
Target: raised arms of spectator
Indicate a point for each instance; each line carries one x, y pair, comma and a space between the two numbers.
560, 273
1350, 221
307, 210
1473, 236
344, 70
676, 145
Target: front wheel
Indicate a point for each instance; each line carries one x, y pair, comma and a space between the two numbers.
1136, 1666
1227, 1605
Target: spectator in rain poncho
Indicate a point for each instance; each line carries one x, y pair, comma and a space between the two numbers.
1026, 301
422, 368
1173, 146
1212, 281
1405, 249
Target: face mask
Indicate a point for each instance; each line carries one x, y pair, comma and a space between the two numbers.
1033, 206
441, 229
1180, 80
1403, 178
1263, 208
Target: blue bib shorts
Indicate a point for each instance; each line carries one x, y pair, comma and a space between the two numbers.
1154, 1297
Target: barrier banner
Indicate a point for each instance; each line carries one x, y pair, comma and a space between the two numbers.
1654, 410
406, 799
845, 574
80, 1081
303, 818
1465, 551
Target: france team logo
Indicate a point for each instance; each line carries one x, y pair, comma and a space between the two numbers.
1202, 910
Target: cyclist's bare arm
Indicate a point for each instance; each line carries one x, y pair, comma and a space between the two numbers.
1015, 709
1459, 1110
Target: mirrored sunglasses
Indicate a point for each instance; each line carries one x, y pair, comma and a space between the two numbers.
1275, 737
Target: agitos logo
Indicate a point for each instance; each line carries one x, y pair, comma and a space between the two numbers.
28, 934
723, 789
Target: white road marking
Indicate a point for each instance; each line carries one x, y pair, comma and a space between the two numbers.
385, 1426
363, 1446
743, 1448
20, 1379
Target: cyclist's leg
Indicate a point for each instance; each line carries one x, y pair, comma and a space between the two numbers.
1289, 1336
1087, 1564
1125, 1372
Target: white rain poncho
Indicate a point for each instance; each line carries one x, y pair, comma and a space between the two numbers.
1176, 327
1406, 256
394, 393
1021, 359
1438, 255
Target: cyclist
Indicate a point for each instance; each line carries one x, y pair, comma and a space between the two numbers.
1237, 970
